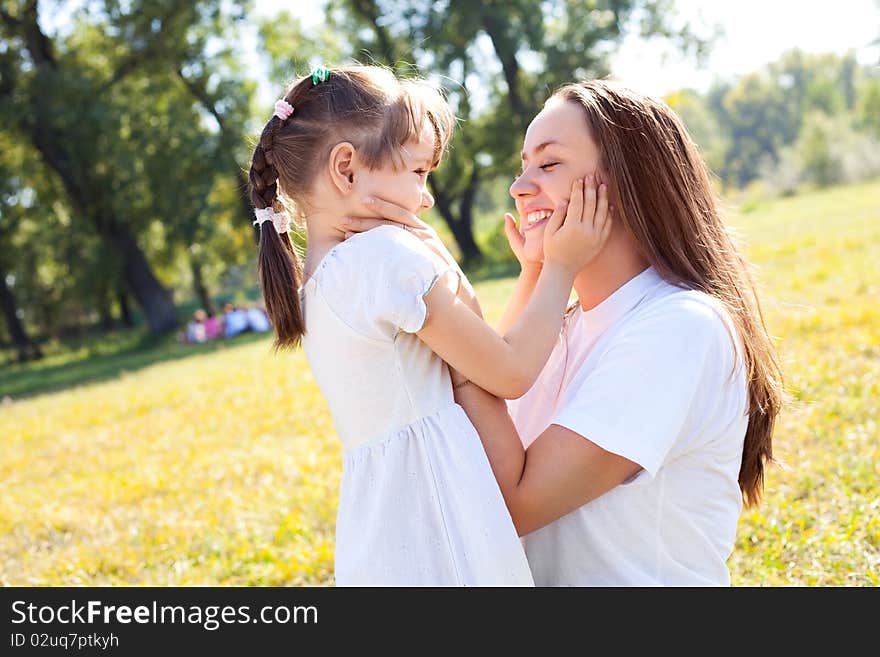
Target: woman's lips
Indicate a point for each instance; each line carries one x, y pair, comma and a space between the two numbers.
529, 227
536, 218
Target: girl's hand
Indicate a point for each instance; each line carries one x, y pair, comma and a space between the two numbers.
578, 228
517, 242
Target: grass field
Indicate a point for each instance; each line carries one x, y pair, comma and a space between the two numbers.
219, 465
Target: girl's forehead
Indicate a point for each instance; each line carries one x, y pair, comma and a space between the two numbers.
422, 146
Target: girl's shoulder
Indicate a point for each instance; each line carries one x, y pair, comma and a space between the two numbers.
388, 238
373, 248
375, 281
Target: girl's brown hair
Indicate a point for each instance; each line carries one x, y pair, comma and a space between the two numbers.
663, 195
365, 105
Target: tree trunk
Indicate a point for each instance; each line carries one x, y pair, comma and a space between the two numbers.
461, 226
201, 289
27, 349
125, 309
105, 308
464, 237
80, 181
505, 50
151, 296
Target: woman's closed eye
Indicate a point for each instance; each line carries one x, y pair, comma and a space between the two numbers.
548, 166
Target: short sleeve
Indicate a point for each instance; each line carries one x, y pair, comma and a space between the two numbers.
649, 383
378, 280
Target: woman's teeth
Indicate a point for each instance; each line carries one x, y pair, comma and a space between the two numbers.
534, 218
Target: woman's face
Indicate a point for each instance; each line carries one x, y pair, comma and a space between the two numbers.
405, 185
557, 149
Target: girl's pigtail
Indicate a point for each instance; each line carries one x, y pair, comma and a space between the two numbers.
280, 269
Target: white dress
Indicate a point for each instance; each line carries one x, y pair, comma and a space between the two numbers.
418, 504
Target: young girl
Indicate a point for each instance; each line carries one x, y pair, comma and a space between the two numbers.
379, 313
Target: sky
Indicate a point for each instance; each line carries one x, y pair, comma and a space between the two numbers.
755, 32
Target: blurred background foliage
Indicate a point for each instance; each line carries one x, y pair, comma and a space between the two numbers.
126, 138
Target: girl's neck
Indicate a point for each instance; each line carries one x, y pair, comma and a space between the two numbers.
323, 232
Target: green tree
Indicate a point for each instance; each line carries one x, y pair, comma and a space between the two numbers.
26, 348
703, 126
764, 112
104, 105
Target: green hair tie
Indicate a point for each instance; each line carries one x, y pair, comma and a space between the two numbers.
320, 75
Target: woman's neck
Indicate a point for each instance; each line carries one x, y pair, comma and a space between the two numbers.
617, 264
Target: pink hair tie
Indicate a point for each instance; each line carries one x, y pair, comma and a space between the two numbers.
283, 109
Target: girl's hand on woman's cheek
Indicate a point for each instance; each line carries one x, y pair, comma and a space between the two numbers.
517, 242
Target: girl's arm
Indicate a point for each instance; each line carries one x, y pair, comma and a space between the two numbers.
525, 282
522, 292
508, 365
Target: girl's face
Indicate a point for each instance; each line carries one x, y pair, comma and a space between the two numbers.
558, 148
406, 184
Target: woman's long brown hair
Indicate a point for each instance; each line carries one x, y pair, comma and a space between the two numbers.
365, 105
663, 194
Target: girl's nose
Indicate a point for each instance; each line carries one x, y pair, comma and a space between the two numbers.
427, 200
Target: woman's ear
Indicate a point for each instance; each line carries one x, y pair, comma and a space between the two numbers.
342, 164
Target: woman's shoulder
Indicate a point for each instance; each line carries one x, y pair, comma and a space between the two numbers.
691, 316
687, 307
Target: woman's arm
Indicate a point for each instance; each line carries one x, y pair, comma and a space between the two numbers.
559, 472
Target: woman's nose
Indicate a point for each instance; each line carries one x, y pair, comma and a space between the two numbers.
427, 200
521, 186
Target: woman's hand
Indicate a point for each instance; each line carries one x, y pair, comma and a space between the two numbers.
578, 228
395, 215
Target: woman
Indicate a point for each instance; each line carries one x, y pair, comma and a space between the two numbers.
628, 461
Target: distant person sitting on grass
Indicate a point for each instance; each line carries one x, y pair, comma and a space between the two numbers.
257, 319
195, 330
235, 320
213, 327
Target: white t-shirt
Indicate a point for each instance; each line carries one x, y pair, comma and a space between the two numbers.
651, 374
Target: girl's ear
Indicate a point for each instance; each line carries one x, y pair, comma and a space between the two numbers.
342, 164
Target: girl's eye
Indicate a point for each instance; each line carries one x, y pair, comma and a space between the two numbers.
421, 172
548, 166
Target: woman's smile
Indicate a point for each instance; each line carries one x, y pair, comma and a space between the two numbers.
536, 218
